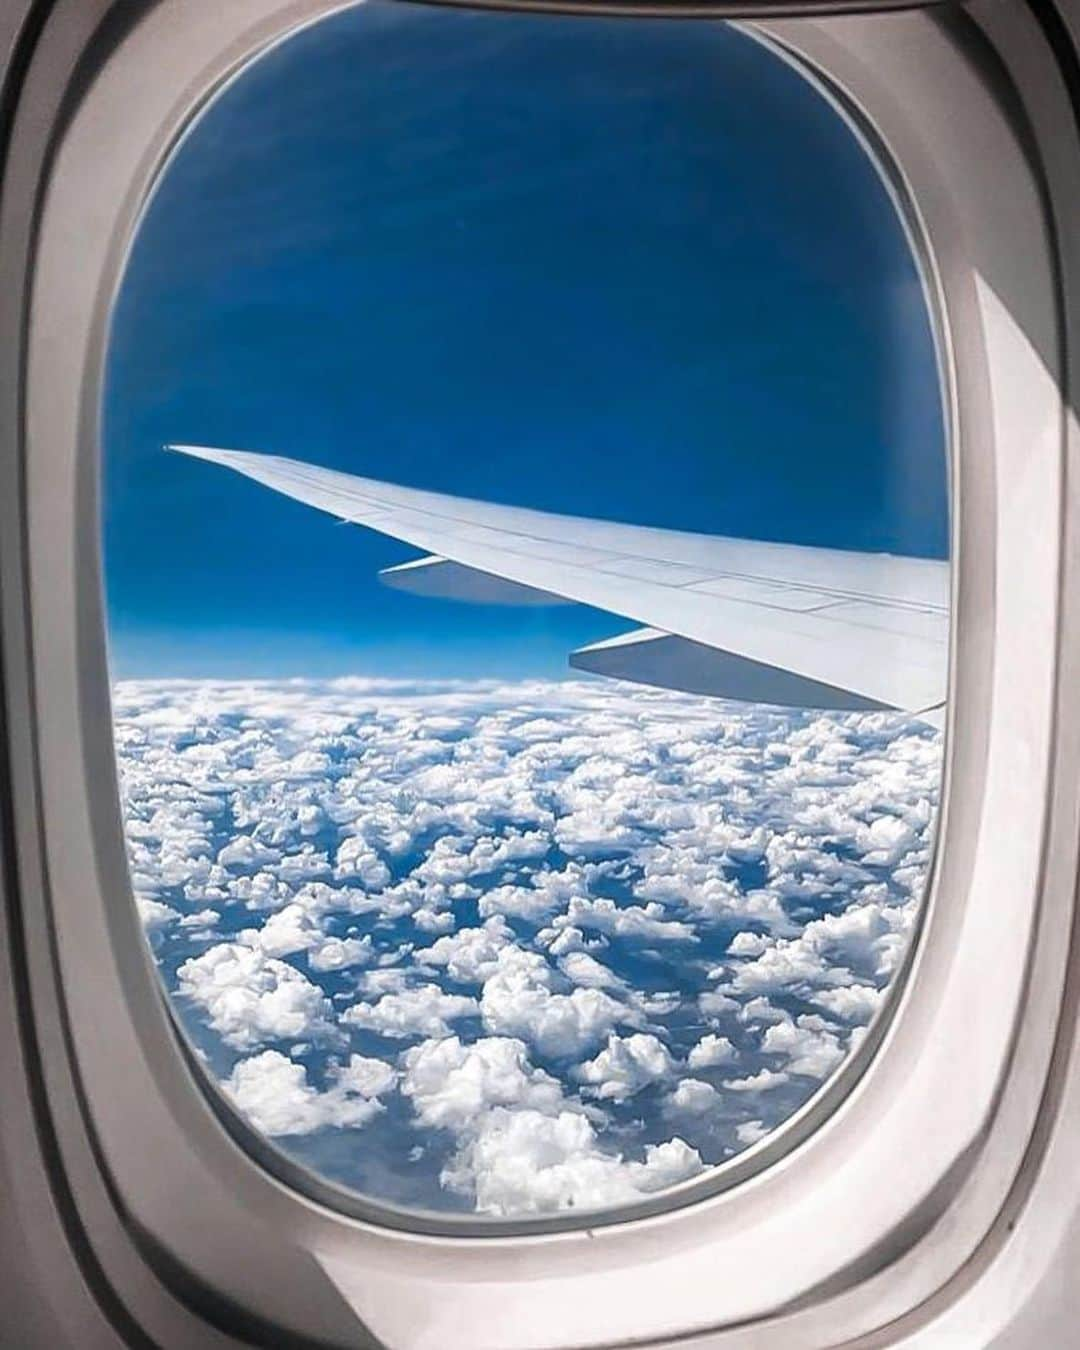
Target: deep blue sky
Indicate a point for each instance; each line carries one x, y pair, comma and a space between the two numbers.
634, 269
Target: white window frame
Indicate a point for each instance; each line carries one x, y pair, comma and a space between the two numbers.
861, 1212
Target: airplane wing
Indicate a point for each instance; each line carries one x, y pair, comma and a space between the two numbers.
732, 618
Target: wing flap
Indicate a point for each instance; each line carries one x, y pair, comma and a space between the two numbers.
443, 579
648, 656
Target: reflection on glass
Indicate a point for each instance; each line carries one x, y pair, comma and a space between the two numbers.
457, 924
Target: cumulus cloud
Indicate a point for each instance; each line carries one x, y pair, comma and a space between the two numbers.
710, 1051
250, 998
571, 914
524, 1162
763, 1081
424, 1011
648, 923
156, 915
546, 893
245, 851
750, 1131
851, 1002
837, 950
694, 1096
452, 1085
810, 1045
456, 859
583, 969
274, 1094
626, 1065
472, 954
518, 1000
290, 930
202, 918
333, 953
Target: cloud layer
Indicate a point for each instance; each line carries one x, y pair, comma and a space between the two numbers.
519, 948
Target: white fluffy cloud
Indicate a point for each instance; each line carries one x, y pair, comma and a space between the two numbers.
710, 1051
521, 1147
811, 1047
837, 951
762, 1081
286, 932
524, 1162
452, 1085
645, 923
251, 998
626, 1065
274, 1094
518, 1000
247, 852
472, 954
617, 887
424, 1011
156, 915
693, 1096
851, 1002
750, 1131
583, 969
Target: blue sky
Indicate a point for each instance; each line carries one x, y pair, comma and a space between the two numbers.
637, 270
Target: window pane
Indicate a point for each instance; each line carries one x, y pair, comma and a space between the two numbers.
456, 922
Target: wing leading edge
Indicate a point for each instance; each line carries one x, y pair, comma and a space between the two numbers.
734, 618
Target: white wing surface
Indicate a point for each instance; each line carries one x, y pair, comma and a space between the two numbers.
735, 618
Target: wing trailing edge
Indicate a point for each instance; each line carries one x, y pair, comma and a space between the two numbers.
443, 579
650, 656
736, 618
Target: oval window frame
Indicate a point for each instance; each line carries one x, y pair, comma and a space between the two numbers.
81, 836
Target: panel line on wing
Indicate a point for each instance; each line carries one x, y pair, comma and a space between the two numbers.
879, 632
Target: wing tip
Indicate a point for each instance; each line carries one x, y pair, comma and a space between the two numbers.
212, 454
195, 451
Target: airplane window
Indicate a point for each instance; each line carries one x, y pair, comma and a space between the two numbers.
526, 536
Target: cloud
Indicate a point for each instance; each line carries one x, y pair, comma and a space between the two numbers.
546, 893
763, 1081
425, 1011
472, 954
285, 933
648, 924
250, 998
710, 1051
156, 915
335, 953
862, 943
851, 1002
247, 852
202, 918
750, 1131
612, 908
525, 1162
694, 1097
274, 1094
714, 1004
356, 860
451, 1085
810, 1046
626, 1065
520, 1149
454, 859
517, 1000
582, 969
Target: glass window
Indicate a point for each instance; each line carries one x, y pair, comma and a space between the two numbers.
462, 910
